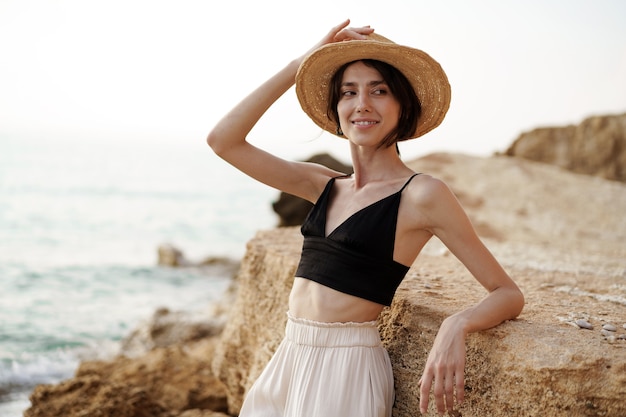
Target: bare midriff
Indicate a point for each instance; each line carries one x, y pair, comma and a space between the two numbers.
313, 301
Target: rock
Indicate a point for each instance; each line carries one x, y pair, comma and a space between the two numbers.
292, 210
166, 328
609, 327
162, 383
597, 146
607, 333
258, 316
541, 216
169, 255
529, 366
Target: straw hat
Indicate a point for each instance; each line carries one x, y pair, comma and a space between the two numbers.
423, 72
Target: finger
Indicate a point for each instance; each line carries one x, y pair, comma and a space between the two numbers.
348, 35
341, 26
334, 32
353, 33
439, 391
425, 384
459, 382
363, 30
449, 392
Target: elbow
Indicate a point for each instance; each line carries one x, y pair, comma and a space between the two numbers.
213, 140
517, 302
223, 143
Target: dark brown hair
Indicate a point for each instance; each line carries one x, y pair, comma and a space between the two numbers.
400, 87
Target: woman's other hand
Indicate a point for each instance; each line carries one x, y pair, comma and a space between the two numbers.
445, 368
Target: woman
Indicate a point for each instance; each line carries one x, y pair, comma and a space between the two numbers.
365, 230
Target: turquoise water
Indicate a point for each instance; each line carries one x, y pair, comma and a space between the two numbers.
80, 224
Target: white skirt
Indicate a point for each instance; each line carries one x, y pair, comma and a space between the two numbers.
324, 370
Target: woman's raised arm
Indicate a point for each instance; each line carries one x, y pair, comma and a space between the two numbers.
228, 137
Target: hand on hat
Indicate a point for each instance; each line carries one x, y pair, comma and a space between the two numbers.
343, 33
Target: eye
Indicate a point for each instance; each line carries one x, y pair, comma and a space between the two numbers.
347, 93
380, 91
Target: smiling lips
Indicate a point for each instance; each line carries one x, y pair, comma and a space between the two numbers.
364, 122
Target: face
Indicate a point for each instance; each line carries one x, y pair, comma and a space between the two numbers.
367, 109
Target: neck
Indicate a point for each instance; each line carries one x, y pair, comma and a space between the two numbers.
372, 164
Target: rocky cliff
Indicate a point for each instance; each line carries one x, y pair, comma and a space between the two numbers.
597, 146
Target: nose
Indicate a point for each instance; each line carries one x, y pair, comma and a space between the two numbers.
363, 104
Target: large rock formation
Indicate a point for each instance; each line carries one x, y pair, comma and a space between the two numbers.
565, 250
597, 146
164, 371
559, 234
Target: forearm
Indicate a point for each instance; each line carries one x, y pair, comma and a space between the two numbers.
502, 304
233, 128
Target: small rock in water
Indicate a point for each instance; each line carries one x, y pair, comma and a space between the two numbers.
584, 324
609, 327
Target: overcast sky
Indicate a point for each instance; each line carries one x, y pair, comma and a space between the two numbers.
168, 70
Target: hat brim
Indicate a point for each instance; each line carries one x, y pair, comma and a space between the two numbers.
428, 79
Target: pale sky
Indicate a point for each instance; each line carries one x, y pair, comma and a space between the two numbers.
168, 70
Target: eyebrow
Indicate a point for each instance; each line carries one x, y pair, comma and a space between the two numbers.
369, 84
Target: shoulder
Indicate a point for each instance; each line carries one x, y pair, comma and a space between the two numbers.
434, 206
428, 191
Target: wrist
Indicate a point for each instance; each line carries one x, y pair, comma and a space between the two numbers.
458, 323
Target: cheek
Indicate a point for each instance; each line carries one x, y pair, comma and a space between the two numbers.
394, 111
342, 111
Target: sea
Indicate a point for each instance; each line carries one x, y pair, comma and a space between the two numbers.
81, 220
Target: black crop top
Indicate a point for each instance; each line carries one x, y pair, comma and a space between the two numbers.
357, 257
